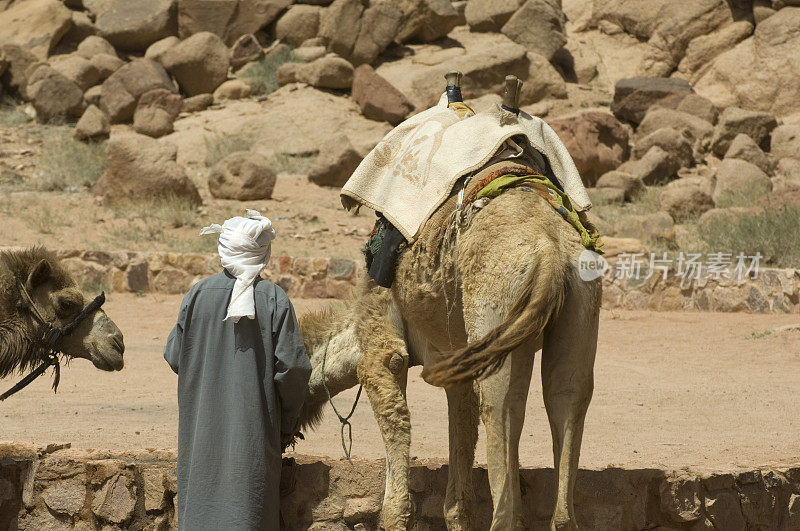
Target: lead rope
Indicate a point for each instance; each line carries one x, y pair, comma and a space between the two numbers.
347, 447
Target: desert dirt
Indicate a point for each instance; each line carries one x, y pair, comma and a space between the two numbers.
699, 390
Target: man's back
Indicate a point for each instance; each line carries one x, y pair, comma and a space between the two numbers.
239, 386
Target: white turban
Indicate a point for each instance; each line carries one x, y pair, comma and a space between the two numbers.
244, 246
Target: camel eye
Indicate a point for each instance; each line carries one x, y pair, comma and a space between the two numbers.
67, 307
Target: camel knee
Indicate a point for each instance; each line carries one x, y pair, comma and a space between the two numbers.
572, 400
397, 511
563, 522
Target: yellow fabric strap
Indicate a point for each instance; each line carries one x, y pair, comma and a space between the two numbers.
462, 109
557, 199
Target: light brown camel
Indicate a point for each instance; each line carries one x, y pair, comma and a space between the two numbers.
515, 290
59, 300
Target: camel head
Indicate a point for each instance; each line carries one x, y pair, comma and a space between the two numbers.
58, 299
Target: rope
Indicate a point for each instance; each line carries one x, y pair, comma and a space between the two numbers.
347, 447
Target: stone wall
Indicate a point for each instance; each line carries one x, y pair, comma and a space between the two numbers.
66, 489
771, 291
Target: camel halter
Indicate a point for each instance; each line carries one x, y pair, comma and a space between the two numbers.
47, 337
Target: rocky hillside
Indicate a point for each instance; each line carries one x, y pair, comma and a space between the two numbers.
683, 116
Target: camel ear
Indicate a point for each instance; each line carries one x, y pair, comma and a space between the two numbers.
39, 275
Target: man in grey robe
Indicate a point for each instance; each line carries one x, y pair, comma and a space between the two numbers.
241, 383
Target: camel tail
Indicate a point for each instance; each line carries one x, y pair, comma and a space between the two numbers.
542, 297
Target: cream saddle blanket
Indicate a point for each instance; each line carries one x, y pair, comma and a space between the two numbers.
412, 171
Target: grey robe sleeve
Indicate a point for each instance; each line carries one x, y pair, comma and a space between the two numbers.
292, 366
172, 352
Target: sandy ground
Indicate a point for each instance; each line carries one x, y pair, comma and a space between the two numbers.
699, 390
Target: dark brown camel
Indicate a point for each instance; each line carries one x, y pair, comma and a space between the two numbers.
58, 299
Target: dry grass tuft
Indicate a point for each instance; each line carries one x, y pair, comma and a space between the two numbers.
69, 165
219, 146
262, 76
291, 163
11, 113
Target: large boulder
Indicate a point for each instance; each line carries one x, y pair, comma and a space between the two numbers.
699, 106
93, 125
77, 69
158, 48
723, 217
634, 96
426, 20
142, 168
701, 51
597, 141
676, 142
136, 25
379, 99
326, 72
336, 162
228, 19
17, 60
36, 25
630, 185
82, 26
106, 64
739, 183
94, 45
734, 121
787, 175
655, 167
667, 26
301, 22
539, 26
489, 15
244, 176
357, 33
685, 201
197, 103
199, 63
233, 89
156, 112
121, 91
745, 148
698, 129
542, 81
485, 59
657, 227
53, 94
786, 142
761, 72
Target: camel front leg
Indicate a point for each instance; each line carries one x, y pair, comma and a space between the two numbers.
459, 502
567, 384
384, 374
503, 397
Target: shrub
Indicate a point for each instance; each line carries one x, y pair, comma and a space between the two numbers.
66, 163
291, 163
11, 113
219, 146
774, 232
262, 75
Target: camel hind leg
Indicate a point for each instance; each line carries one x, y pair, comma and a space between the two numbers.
567, 383
503, 398
459, 502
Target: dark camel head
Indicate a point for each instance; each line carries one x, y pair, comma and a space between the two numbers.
96, 338
59, 301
